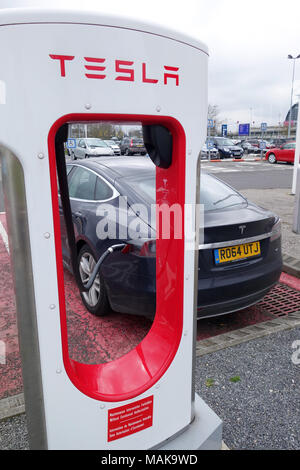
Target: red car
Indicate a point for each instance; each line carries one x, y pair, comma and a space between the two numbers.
285, 153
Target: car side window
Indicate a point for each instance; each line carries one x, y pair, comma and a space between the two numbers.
82, 184
103, 191
69, 169
288, 146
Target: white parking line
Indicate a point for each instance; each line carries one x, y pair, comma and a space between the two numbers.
4, 236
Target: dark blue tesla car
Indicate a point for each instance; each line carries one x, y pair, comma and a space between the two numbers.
239, 258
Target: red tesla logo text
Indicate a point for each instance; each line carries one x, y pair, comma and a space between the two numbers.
125, 70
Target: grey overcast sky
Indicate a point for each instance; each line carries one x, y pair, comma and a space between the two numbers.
249, 73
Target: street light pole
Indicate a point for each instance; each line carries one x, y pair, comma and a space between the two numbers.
297, 153
290, 114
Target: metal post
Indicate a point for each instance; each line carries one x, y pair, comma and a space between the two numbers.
290, 115
297, 152
209, 157
261, 149
296, 223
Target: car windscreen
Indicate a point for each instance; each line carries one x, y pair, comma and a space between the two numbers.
225, 142
94, 143
214, 194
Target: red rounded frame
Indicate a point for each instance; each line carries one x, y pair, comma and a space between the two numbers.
137, 371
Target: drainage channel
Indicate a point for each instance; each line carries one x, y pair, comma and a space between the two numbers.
278, 310
281, 301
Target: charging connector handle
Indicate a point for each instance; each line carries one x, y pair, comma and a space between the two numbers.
110, 250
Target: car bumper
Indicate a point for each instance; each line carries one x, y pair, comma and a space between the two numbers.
137, 150
136, 293
237, 291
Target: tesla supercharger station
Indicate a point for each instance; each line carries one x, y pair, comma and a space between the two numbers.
60, 67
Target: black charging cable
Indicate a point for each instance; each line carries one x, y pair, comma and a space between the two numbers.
60, 139
93, 275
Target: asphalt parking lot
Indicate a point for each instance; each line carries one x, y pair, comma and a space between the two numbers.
260, 408
251, 174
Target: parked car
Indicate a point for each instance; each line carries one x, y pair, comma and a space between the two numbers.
132, 145
226, 147
90, 147
112, 144
254, 142
256, 145
239, 261
116, 140
206, 150
248, 147
285, 153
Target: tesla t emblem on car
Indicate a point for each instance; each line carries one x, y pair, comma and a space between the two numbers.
242, 228
124, 70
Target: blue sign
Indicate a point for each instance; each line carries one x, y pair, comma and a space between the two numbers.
262, 145
71, 143
210, 145
244, 129
263, 126
224, 130
210, 123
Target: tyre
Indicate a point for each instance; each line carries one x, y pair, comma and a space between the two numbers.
272, 158
95, 300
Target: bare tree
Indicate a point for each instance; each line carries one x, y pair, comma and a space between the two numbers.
212, 113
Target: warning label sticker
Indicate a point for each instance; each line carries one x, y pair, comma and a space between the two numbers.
129, 419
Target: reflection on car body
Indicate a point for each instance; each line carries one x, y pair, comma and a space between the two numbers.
227, 280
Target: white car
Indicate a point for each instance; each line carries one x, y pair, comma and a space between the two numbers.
205, 152
114, 146
90, 147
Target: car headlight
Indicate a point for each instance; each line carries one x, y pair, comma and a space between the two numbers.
226, 150
276, 230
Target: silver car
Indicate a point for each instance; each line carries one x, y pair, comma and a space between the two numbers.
114, 146
90, 147
205, 152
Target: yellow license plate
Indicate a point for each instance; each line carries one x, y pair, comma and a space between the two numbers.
234, 253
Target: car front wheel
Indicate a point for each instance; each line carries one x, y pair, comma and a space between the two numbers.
95, 300
272, 158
